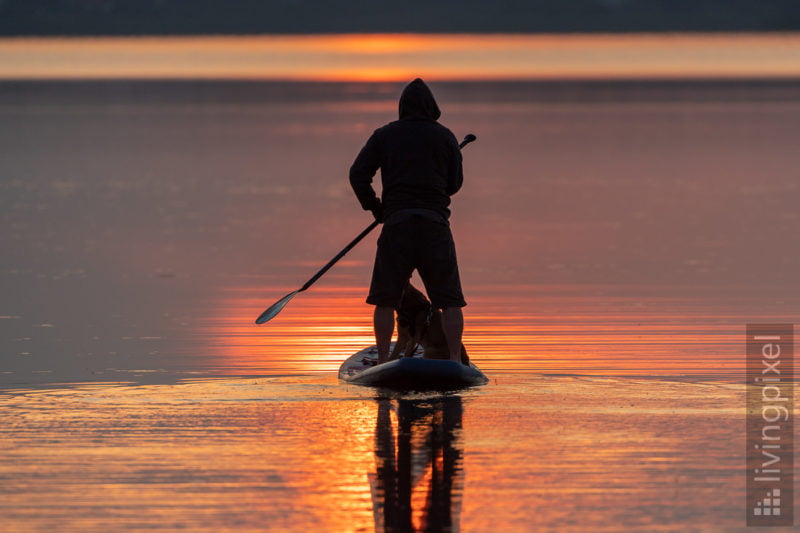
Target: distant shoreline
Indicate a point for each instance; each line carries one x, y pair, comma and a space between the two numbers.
99, 91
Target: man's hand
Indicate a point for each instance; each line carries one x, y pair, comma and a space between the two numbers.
377, 211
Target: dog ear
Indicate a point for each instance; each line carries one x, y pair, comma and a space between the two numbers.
419, 298
418, 293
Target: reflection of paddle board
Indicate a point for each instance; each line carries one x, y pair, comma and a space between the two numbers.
409, 373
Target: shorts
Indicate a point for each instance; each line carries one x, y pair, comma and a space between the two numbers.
422, 244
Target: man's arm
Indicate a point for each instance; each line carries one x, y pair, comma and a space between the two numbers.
363, 170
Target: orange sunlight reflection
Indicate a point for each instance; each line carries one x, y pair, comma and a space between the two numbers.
554, 329
391, 57
316, 331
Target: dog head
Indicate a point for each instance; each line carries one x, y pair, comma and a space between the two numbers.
412, 303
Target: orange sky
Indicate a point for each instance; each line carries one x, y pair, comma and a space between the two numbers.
399, 57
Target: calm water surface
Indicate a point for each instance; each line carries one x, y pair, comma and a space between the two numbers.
297, 453
614, 240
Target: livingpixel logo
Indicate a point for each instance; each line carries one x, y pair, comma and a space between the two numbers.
770, 505
770, 425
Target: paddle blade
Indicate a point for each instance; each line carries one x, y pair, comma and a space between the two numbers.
275, 308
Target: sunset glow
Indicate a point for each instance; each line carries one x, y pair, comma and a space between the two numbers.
173, 172
373, 57
320, 329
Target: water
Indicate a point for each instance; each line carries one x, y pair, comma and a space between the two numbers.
614, 240
294, 453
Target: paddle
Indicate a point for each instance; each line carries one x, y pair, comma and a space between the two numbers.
278, 306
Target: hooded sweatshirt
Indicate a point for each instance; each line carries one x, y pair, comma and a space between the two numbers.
419, 159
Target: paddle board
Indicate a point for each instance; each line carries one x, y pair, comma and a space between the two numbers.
409, 373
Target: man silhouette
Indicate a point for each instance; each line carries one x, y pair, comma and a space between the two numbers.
420, 165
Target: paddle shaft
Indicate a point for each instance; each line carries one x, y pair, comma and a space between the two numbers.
276, 308
339, 256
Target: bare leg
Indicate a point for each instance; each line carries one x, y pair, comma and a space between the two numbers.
453, 325
384, 327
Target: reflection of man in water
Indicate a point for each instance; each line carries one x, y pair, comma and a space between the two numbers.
418, 482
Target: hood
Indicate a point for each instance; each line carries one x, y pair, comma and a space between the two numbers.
417, 101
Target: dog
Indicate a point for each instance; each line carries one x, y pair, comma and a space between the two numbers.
419, 324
